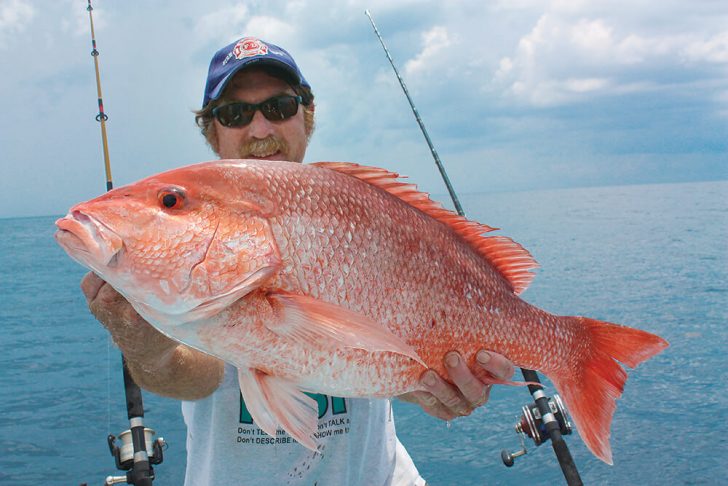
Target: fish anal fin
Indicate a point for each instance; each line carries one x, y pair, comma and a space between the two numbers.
310, 320
274, 402
509, 258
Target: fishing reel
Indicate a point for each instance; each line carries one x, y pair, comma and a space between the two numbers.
531, 425
124, 454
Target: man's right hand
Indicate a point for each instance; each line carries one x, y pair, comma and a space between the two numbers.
136, 338
156, 362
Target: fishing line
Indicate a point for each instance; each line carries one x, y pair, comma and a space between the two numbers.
554, 424
108, 381
133, 455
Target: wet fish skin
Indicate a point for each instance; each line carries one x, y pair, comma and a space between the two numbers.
337, 278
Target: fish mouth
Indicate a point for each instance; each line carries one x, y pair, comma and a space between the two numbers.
87, 240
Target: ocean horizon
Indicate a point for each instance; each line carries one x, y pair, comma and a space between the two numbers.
652, 256
444, 198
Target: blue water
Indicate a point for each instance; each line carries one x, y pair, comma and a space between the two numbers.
654, 257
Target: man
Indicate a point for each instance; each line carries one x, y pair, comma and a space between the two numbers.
257, 104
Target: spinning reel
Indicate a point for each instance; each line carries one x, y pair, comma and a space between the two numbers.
124, 454
532, 425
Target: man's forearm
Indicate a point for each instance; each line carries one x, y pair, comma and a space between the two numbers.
182, 373
156, 362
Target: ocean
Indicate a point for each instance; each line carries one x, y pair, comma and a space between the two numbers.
650, 256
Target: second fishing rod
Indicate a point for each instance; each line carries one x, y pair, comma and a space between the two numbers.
545, 418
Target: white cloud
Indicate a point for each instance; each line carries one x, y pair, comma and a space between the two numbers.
233, 21
222, 25
593, 36
507, 5
15, 15
436, 44
571, 51
270, 28
75, 19
569, 6
713, 50
476, 70
585, 85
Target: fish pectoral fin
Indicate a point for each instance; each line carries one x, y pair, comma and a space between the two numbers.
216, 304
313, 321
274, 402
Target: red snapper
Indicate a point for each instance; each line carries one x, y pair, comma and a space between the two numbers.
337, 278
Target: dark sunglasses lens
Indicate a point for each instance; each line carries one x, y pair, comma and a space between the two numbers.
280, 108
234, 115
240, 114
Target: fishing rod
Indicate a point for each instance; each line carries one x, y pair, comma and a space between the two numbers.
138, 451
546, 418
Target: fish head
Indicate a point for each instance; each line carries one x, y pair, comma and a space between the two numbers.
179, 246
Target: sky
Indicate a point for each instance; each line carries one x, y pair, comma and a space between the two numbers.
517, 95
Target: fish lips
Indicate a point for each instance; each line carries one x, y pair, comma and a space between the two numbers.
87, 240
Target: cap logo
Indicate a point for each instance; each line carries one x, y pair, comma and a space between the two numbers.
249, 47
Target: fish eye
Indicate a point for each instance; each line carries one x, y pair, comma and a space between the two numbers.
171, 198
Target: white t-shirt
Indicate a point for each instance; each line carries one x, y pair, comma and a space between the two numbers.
359, 445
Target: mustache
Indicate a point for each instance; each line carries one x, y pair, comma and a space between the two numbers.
263, 147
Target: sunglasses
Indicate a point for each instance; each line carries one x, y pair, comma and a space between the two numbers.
239, 114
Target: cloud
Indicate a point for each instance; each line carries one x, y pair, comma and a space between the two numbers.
234, 21
585, 85
74, 19
267, 27
514, 93
567, 54
227, 22
562, 58
15, 15
713, 50
436, 44
593, 36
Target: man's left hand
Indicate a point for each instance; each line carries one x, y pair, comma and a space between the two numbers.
468, 392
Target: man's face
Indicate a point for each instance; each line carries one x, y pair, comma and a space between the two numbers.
253, 86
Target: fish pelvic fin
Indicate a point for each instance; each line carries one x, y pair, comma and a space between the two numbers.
590, 388
274, 402
310, 320
509, 258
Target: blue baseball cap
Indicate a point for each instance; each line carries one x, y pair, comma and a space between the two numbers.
243, 53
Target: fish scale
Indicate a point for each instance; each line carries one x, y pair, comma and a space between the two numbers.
340, 279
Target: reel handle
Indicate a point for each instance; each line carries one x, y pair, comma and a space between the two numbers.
531, 425
509, 457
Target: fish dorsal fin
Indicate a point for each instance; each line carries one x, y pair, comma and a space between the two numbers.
512, 260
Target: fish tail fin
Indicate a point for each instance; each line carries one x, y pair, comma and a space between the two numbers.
590, 388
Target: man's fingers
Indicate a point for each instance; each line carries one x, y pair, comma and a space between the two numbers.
442, 412
112, 309
422, 398
90, 286
469, 389
101, 296
445, 393
430, 404
110, 301
472, 389
496, 364
485, 397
